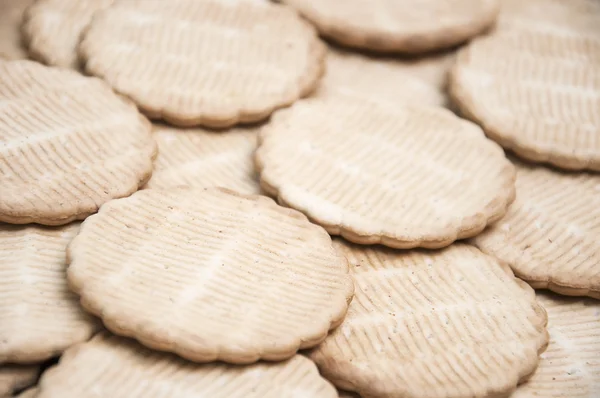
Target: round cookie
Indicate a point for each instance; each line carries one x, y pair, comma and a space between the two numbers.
114, 367
67, 145
403, 26
205, 62
11, 14
373, 79
201, 158
535, 87
449, 323
39, 316
402, 176
52, 29
210, 274
569, 368
549, 235
16, 377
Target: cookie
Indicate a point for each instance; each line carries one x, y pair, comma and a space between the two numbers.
205, 62
549, 235
16, 377
570, 367
11, 14
535, 89
399, 26
67, 145
402, 176
52, 29
210, 274
199, 158
39, 316
346, 394
447, 323
110, 367
29, 393
373, 79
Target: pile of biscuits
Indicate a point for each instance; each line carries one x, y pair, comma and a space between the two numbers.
249, 198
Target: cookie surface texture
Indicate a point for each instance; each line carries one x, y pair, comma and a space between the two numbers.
535, 87
113, 367
570, 367
401, 176
210, 274
399, 26
16, 377
39, 316
375, 79
11, 14
67, 145
199, 158
449, 323
52, 29
549, 235
209, 62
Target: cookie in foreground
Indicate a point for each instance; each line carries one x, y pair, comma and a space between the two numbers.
210, 274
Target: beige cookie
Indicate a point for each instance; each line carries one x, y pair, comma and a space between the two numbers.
205, 62
29, 393
16, 377
401, 176
399, 26
550, 234
535, 88
67, 145
375, 79
570, 367
114, 367
448, 323
39, 316
11, 14
210, 274
52, 29
200, 158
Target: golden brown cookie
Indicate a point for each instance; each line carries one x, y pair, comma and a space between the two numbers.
52, 29
402, 176
450, 323
535, 87
197, 157
570, 367
67, 145
204, 62
399, 26
114, 367
549, 236
39, 316
210, 274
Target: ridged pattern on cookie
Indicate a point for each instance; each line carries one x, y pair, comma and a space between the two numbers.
52, 29
535, 89
16, 377
402, 176
201, 158
375, 79
399, 26
570, 367
67, 145
205, 62
114, 367
210, 274
449, 323
550, 234
11, 14
39, 316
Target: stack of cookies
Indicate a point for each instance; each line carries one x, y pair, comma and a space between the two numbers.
249, 198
